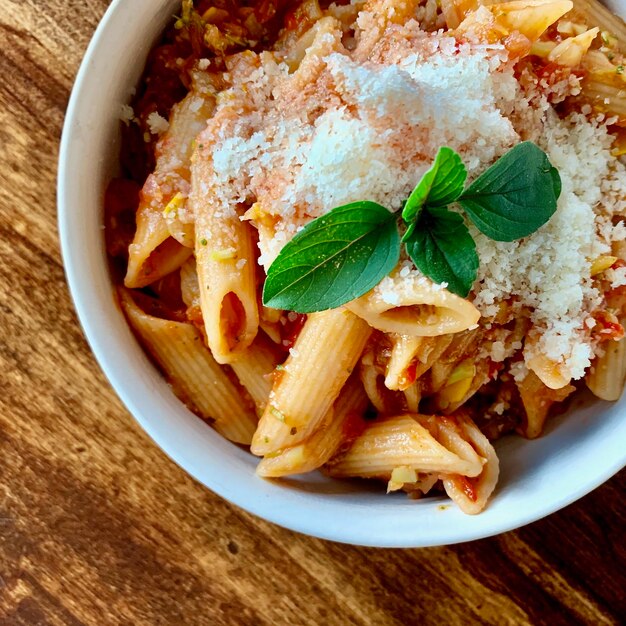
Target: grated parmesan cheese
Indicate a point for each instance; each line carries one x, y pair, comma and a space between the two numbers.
617, 277
127, 114
357, 130
549, 272
157, 124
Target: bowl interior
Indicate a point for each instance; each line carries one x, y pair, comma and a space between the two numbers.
579, 451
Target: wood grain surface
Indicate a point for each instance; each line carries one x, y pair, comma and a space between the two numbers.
98, 527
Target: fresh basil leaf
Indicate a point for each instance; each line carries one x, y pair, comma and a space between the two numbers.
556, 181
440, 185
334, 259
443, 249
409, 231
515, 196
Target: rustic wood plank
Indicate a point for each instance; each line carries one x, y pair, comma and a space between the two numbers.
98, 527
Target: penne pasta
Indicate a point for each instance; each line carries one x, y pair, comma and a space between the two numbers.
400, 441
594, 13
187, 121
420, 309
606, 93
154, 253
607, 374
226, 273
412, 397
337, 428
526, 18
403, 352
551, 374
189, 287
323, 356
530, 18
269, 322
537, 399
471, 493
386, 401
323, 38
570, 51
179, 350
254, 369
411, 357
451, 433
297, 51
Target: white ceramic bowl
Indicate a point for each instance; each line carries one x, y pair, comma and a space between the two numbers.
578, 452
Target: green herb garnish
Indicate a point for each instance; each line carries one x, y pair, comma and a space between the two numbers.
334, 259
515, 196
345, 253
442, 184
443, 249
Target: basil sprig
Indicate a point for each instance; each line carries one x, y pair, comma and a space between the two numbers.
344, 253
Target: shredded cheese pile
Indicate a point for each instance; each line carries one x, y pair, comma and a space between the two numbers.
366, 123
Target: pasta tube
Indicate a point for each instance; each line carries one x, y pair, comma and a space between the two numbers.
335, 429
608, 372
470, 493
189, 287
531, 18
415, 308
179, 350
570, 51
606, 93
551, 374
594, 13
400, 441
324, 355
385, 400
254, 369
411, 357
528, 18
413, 396
153, 252
537, 399
225, 262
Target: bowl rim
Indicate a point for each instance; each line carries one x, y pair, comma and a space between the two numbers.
84, 293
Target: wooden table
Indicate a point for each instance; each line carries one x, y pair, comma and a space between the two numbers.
98, 527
